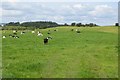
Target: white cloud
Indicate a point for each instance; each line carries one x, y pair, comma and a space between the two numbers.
11, 13
78, 6
58, 12
12, 1
102, 10
64, 0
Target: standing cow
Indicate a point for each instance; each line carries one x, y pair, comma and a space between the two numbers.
47, 39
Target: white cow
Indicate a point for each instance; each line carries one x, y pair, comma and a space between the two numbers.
76, 30
40, 34
3, 36
33, 32
14, 31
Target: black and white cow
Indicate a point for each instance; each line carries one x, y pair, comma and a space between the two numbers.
47, 39
78, 31
10, 35
22, 32
15, 36
39, 34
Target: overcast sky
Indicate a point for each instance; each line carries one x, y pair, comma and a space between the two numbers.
102, 12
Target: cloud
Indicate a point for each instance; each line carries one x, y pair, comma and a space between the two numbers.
11, 1
78, 6
11, 13
49, 18
58, 12
63, 0
102, 10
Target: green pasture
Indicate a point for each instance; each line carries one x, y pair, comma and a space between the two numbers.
93, 53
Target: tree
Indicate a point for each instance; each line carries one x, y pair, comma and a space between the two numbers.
40, 24
79, 24
116, 24
66, 24
73, 24
13, 24
91, 24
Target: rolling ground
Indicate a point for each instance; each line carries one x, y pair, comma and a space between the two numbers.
91, 54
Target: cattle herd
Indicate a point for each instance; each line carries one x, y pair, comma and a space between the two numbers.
45, 40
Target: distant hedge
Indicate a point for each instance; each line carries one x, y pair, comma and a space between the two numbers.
17, 28
39, 24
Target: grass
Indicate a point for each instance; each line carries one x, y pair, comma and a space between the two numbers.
90, 54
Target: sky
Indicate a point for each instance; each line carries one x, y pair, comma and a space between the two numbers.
101, 12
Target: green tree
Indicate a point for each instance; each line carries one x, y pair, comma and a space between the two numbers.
73, 24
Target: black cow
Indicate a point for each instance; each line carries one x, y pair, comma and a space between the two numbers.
48, 33
15, 33
78, 31
46, 40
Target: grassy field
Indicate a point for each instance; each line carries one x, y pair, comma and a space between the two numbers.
91, 54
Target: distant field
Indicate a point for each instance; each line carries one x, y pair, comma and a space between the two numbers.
91, 54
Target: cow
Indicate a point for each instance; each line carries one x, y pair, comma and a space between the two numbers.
48, 33
15, 36
33, 32
10, 35
40, 34
22, 32
78, 31
46, 40
3, 36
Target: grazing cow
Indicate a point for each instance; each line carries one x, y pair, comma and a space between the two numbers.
49, 37
14, 31
46, 40
33, 32
15, 36
22, 32
48, 33
10, 35
3, 36
55, 30
40, 34
78, 31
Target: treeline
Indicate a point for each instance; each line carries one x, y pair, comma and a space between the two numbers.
84, 25
49, 24
80, 25
29, 25
40, 24
17, 28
